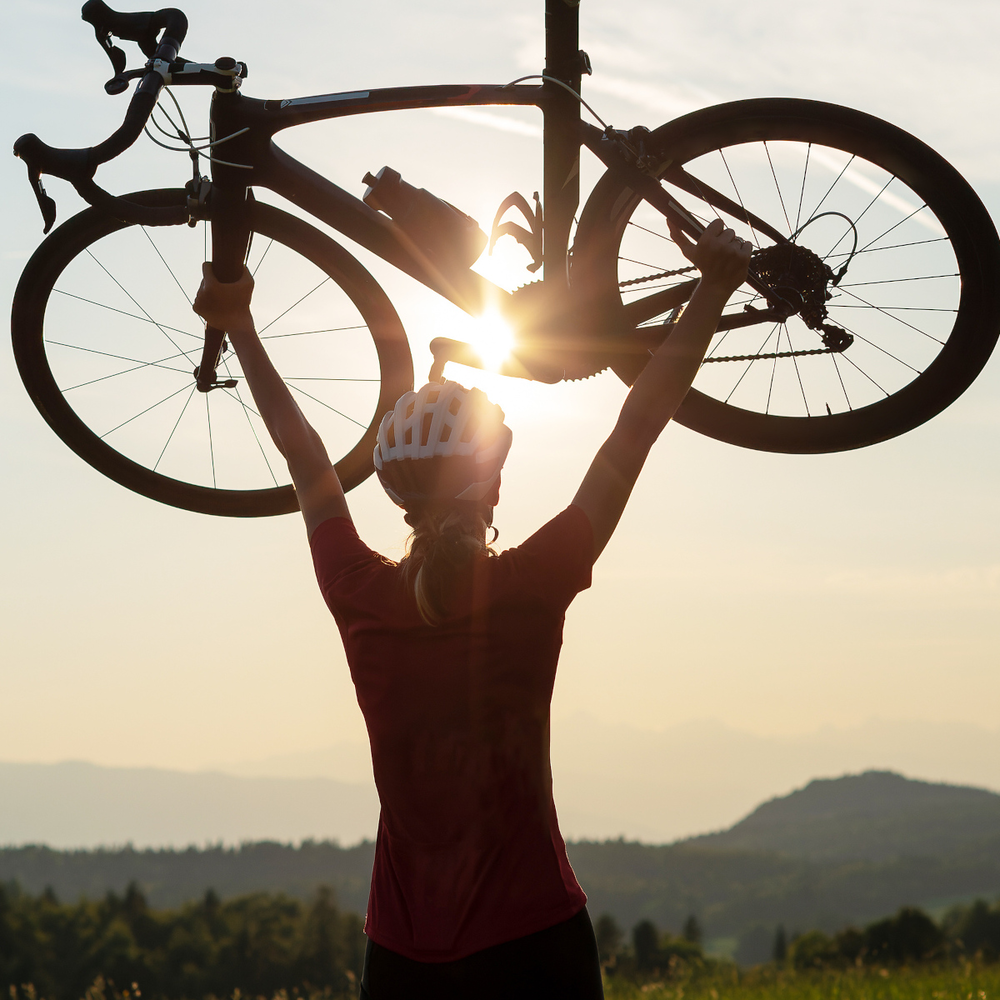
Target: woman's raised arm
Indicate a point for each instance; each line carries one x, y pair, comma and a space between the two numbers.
664, 382
317, 488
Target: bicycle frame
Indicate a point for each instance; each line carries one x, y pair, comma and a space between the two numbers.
276, 170
253, 123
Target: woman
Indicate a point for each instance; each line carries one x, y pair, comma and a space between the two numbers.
453, 655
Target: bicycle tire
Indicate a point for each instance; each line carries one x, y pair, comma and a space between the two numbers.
108, 357
912, 355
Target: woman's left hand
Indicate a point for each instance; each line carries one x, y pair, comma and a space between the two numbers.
720, 255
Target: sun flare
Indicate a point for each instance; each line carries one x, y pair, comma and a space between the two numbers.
492, 338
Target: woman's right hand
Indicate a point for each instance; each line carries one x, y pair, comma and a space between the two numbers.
224, 305
720, 255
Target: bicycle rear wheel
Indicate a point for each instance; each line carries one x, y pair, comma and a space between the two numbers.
917, 296
106, 344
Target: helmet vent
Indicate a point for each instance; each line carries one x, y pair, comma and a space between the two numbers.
425, 428
454, 406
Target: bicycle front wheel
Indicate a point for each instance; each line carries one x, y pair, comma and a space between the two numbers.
106, 344
876, 227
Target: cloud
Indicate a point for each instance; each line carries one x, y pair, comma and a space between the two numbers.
489, 119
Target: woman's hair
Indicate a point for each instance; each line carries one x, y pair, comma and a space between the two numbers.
446, 539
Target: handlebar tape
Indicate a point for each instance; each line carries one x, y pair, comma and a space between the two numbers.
77, 165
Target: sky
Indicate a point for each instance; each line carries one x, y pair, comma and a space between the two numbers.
774, 595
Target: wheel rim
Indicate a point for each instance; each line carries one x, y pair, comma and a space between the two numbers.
120, 345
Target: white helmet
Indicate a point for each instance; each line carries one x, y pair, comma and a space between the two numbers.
443, 442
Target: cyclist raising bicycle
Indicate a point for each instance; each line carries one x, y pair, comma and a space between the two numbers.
453, 655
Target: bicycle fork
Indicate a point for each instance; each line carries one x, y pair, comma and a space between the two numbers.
230, 244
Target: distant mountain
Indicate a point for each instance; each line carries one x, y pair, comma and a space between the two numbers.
875, 816
75, 804
614, 779
610, 780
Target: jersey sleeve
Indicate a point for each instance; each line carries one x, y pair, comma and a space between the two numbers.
338, 556
555, 563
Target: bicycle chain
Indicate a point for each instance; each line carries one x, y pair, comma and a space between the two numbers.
656, 277
767, 357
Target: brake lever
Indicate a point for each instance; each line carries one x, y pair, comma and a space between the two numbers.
114, 53
45, 203
119, 84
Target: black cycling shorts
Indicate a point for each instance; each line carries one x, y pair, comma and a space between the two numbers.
559, 963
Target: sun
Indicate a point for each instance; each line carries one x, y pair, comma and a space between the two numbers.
492, 339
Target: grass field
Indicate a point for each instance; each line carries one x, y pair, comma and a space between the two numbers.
952, 982
970, 981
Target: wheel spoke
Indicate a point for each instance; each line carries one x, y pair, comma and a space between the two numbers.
173, 430
211, 442
829, 190
774, 369
159, 327
802, 187
749, 365
340, 413
137, 364
284, 313
170, 270
247, 410
840, 379
858, 218
310, 333
777, 187
798, 373
122, 312
739, 197
895, 318
880, 349
143, 412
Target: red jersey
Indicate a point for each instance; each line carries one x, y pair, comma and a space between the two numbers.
468, 852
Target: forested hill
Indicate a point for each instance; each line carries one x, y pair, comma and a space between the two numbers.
782, 876
875, 816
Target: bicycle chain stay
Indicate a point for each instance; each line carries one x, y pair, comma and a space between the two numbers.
791, 263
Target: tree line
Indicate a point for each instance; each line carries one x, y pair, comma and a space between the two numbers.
267, 945
909, 938
731, 891
255, 945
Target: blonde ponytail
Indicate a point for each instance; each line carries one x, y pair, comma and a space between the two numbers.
445, 540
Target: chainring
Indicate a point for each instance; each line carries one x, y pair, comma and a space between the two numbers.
549, 343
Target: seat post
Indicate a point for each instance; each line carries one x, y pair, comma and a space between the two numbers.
562, 143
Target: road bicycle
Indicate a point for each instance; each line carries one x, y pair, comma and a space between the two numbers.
869, 307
